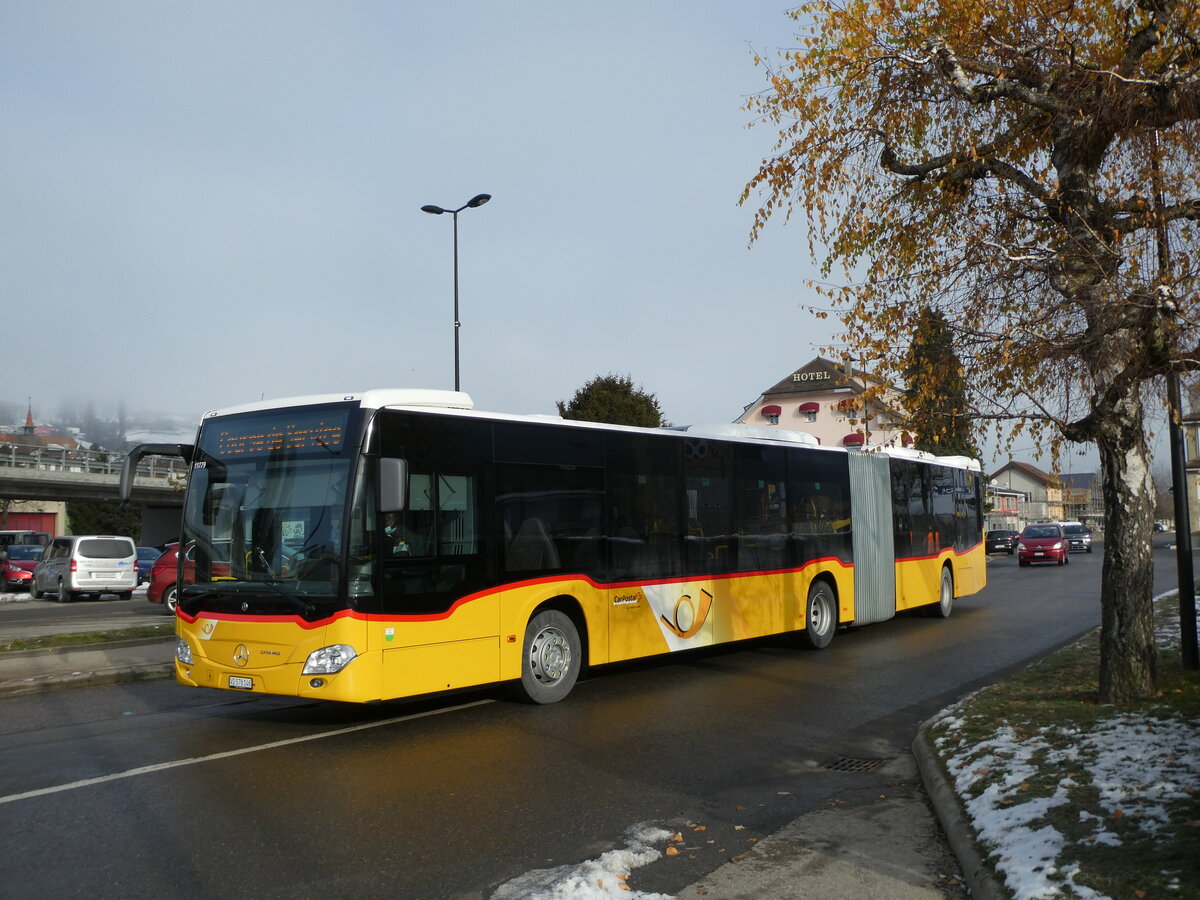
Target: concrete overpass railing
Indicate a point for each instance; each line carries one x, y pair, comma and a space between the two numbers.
54, 474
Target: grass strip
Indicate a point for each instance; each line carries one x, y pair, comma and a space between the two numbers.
87, 637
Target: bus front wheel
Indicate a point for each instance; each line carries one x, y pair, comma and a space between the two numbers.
550, 657
820, 617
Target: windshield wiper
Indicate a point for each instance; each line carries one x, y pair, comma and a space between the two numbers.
232, 589
306, 608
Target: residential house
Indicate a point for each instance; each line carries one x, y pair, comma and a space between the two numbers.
1044, 491
1004, 508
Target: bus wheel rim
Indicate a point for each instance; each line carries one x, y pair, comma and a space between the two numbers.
819, 618
549, 656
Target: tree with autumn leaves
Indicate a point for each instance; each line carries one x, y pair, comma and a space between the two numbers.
1028, 170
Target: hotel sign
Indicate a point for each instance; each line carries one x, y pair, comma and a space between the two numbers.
813, 376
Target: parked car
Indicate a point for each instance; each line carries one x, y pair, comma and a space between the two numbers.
86, 564
18, 568
1044, 542
1159, 526
1000, 541
9, 538
1078, 535
146, 558
163, 576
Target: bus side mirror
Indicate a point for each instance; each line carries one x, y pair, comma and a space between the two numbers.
393, 484
129, 466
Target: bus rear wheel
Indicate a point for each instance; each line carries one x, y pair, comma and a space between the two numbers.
820, 617
945, 604
551, 656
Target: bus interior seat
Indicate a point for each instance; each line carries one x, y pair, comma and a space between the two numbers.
532, 548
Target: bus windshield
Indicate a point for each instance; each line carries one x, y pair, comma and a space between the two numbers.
262, 527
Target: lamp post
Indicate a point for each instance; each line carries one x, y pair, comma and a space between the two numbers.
477, 200
1183, 519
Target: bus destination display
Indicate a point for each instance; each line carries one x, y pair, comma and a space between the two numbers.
297, 432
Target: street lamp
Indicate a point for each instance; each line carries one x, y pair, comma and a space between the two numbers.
477, 200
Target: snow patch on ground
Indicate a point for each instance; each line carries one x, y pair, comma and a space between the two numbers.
1138, 763
593, 879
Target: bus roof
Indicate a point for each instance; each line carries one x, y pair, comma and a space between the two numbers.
458, 402
367, 399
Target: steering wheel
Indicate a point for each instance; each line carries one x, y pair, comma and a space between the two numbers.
258, 553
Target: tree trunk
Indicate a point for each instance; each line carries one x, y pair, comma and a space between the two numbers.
1128, 656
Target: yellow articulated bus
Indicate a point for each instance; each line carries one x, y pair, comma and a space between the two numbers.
370, 546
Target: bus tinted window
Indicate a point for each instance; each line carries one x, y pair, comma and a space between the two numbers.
911, 509
552, 444
646, 525
761, 514
552, 518
708, 493
819, 488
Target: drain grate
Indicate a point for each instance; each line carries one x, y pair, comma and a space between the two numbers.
848, 764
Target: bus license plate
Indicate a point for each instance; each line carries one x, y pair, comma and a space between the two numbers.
240, 682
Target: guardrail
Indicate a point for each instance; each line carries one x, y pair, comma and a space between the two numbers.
93, 462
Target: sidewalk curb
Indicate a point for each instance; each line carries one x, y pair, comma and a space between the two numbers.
946, 805
111, 675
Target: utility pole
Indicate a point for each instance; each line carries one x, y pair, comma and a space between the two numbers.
1183, 525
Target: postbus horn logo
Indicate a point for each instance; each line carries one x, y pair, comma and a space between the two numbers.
686, 620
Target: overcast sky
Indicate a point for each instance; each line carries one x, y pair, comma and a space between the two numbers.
206, 203
209, 203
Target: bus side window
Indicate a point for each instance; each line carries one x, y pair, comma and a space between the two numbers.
457, 516
552, 517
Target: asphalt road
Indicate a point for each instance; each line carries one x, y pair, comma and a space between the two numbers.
149, 789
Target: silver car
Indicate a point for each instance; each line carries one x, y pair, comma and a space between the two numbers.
86, 564
1079, 536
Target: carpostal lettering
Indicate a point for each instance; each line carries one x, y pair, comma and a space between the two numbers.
627, 599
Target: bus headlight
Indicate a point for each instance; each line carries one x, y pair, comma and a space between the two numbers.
329, 660
183, 652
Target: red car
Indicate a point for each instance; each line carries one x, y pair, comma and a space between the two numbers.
1044, 542
18, 568
163, 575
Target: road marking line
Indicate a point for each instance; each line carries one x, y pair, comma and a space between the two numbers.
227, 754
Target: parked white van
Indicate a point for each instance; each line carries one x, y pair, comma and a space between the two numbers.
86, 564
